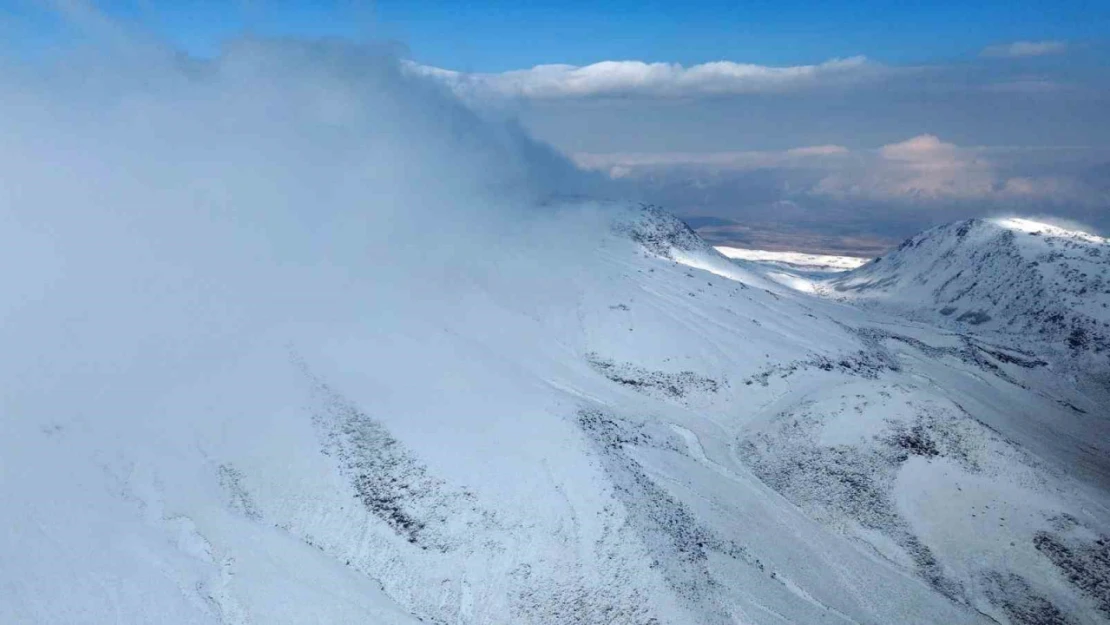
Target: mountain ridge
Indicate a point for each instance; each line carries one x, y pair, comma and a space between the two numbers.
650, 433
1009, 275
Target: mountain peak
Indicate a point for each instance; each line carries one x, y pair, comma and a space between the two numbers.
1031, 226
1014, 277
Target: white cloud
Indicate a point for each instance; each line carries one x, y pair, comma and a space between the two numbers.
922, 148
1021, 49
637, 78
926, 168
921, 169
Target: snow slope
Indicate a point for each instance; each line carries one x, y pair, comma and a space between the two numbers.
1009, 275
683, 447
1039, 292
533, 412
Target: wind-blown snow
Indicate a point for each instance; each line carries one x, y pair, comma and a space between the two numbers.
291, 336
1031, 226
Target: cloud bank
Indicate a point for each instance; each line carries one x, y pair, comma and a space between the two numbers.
637, 78
885, 193
158, 214
921, 168
928, 170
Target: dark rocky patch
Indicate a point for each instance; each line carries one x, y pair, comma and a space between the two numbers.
673, 385
1020, 603
659, 232
387, 478
1026, 361
231, 481
971, 351
866, 363
666, 526
1086, 565
856, 482
917, 442
1063, 522
612, 434
974, 317
1078, 338
965, 227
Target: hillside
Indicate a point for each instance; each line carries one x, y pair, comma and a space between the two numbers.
292, 336
683, 448
1030, 280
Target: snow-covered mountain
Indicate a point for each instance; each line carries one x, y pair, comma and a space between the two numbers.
657, 443
534, 412
1010, 275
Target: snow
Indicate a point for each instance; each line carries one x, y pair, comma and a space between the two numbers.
407, 385
1017, 283
1030, 226
799, 260
794, 270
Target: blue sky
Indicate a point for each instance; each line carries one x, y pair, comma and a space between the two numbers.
493, 36
498, 35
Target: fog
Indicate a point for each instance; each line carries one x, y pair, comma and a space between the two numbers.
184, 240
159, 214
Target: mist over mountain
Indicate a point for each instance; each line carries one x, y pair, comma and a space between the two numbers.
295, 335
